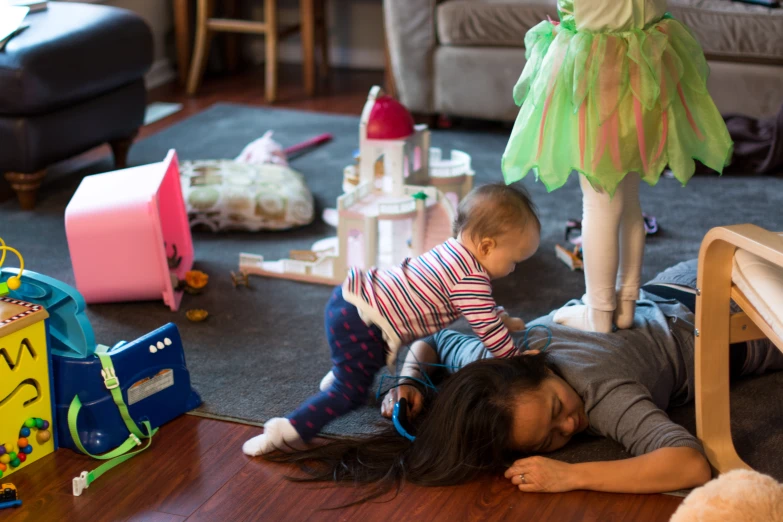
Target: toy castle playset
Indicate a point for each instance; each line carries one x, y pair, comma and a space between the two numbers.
400, 200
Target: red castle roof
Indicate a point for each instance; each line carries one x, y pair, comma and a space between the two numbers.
389, 120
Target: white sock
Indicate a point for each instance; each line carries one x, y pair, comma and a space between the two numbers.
584, 318
279, 434
623, 315
327, 381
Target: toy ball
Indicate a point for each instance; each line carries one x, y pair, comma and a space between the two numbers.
1, 473
8, 448
2, 450
24, 432
43, 436
5, 459
22, 442
28, 449
3, 467
12, 456
39, 423
15, 463
14, 283
21, 457
30, 423
45, 424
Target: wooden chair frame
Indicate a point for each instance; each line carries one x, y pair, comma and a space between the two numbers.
312, 27
716, 329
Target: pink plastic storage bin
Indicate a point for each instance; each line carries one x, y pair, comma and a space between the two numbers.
122, 227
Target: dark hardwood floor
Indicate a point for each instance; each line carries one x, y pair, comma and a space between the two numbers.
195, 469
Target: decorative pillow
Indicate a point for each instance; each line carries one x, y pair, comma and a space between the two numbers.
229, 195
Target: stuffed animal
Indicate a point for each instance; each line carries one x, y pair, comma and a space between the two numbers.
263, 150
737, 496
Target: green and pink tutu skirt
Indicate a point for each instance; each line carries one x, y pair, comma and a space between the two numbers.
608, 103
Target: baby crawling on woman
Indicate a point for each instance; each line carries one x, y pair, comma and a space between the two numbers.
376, 311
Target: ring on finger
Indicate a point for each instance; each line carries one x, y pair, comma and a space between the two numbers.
522, 478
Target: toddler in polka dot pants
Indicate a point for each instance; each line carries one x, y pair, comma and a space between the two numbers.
376, 311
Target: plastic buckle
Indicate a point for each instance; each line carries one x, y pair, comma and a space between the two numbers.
135, 439
80, 484
110, 378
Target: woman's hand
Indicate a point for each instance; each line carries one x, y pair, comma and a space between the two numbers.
404, 391
541, 475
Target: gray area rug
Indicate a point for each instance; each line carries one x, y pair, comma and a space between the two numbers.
263, 349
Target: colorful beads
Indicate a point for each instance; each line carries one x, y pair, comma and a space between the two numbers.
9, 457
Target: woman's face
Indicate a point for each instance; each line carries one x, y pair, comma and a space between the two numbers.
546, 419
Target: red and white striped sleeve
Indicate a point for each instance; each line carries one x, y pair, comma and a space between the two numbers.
472, 297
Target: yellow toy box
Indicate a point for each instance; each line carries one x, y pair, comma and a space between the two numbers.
26, 406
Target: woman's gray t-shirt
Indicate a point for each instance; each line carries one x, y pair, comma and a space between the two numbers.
627, 379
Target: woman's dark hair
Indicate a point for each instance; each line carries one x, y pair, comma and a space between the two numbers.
464, 432
491, 210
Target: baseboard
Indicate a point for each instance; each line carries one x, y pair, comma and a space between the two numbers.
342, 58
159, 74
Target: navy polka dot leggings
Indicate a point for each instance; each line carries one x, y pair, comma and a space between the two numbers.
358, 353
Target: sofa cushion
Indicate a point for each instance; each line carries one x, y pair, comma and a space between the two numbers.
70, 53
728, 31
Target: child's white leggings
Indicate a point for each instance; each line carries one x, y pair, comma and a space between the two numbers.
613, 248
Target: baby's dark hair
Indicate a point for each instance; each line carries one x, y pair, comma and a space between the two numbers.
491, 210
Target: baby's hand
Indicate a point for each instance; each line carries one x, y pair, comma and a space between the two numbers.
514, 324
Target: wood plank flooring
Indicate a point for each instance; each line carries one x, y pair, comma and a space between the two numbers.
195, 469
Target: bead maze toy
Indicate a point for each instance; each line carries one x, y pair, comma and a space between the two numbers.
106, 399
400, 200
128, 234
27, 409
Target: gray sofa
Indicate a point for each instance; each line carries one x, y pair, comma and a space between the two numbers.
463, 57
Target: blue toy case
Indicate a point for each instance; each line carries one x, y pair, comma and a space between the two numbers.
151, 370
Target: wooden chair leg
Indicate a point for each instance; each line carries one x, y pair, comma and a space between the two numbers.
231, 53
307, 19
26, 187
182, 36
270, 18
322, 31
120, 148
388, 74
713, 424
201, 47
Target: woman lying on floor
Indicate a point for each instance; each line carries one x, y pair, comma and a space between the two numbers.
616, 385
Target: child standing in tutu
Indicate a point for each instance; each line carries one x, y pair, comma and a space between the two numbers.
376, 311
616, 91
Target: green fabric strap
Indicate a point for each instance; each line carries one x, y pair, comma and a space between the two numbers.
123, 452
113, 384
